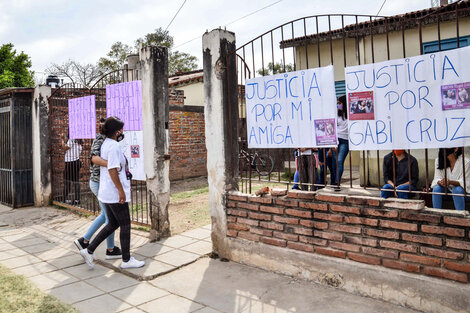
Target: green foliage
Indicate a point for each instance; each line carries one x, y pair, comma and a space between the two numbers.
177, 61
14, 68
275, 69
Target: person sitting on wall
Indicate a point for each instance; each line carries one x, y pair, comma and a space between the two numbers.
401, 179
450, 160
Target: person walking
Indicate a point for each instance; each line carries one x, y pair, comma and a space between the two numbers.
112, 251
72, 148
114, 192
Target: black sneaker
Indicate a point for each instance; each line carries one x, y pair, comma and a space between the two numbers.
80, 243
115, 254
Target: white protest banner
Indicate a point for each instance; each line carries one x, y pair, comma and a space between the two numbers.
292, 110
413, 103
133, 148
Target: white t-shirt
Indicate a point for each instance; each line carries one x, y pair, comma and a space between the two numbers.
73, 154
111, 152
455, 174
342, 128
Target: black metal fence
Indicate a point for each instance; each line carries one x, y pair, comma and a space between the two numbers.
16, 156
71, 167
342, 40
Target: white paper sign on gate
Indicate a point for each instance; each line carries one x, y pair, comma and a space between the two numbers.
133, 147
292, 110
413, 103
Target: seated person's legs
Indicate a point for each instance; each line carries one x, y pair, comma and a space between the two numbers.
386, 194
459, 201
437, 199
405, 195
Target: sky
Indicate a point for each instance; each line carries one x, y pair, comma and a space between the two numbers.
53, 31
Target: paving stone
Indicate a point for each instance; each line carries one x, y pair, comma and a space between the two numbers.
34, 249
208, 310
29, 242
20, 261
75, 292
69, 260
152, 249
139, 294
34, 269
133, 310
177, 257
102, 304
200, 247
170, 304
177, 241
83, 271
6, 246
199, 233
19, 237
11, 253
112, 281
53, 254
209, 227
152, 268
53, 279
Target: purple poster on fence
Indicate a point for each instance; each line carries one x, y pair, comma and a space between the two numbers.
325, 132
456, 96
124, 100
82, 118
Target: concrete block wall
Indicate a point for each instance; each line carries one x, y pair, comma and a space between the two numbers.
396, 234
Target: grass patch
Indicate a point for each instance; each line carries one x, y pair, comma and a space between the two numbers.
19, 295
181, 196
142, 228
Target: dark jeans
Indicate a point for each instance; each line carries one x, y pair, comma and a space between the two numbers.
329, 163
401, 195
307, 171
118, 216
72, 177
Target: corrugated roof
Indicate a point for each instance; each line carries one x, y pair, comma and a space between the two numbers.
185, 77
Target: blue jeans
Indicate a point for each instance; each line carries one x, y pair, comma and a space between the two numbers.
342, 151
459, 201
401, 195
100, 220
296, 180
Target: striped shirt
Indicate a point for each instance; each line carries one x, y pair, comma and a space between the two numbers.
96, 150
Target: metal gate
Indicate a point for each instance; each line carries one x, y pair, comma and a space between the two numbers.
340, 40
16, 156
70, 186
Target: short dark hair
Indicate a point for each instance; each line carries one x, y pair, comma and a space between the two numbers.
111, 126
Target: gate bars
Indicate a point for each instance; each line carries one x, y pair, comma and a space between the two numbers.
70, 180
341, 40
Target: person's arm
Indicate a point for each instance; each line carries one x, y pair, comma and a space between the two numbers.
99, 161
64, 145
387, 170
414, 171
113, 173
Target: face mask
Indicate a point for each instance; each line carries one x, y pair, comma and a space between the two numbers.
340, 106
398, 152
120, 137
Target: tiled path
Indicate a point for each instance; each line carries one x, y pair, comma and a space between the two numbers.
45, 253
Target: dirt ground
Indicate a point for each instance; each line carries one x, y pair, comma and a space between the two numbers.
189, 204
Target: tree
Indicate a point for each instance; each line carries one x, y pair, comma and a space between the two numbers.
14, 68
76, 72
177, 61
275, 69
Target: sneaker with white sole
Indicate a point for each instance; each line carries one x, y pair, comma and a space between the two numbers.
115, 254
89, 258
132, 263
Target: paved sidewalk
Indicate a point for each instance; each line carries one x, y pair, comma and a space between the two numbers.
180, 277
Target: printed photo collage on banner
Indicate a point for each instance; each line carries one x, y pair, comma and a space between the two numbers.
123, 100
413, 103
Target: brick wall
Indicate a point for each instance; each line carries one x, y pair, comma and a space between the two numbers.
400, 235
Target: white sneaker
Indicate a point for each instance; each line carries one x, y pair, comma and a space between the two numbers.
132, 263
89, 258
